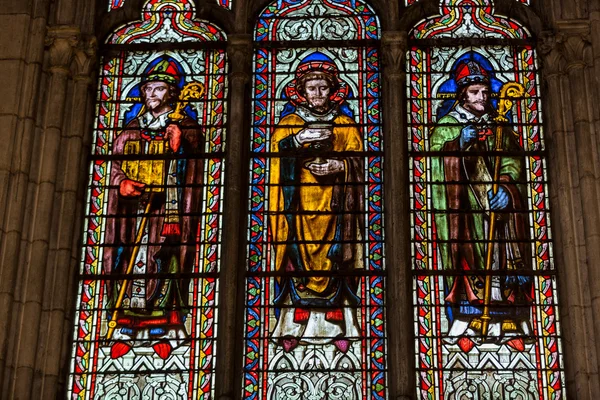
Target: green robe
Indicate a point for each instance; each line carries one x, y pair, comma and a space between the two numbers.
461, 218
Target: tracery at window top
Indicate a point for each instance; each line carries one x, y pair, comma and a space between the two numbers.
115, 4
483, 273
225, 3
411, 2
146, 315
315, 279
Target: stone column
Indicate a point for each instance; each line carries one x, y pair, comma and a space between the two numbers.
595, 69
575, 48
401, 348
571, 246
26, 313
55, 338
228, 369
22, 43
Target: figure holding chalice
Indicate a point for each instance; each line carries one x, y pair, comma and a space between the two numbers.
321, 146
315, 196
153, 202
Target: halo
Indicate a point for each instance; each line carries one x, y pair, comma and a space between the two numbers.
292, 93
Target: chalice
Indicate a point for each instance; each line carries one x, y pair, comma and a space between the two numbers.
320, 146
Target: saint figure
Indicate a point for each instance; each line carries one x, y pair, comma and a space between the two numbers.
154, 180
463, 200
315, 198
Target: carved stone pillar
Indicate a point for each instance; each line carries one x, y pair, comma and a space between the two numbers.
595, 70
55, 337
566, 137
575, 48
401, 376
22, 43
229, 361
33, 261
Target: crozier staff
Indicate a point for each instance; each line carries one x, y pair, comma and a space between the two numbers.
164, 192
464, 200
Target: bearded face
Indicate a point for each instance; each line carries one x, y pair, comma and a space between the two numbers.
156, 96
476, 98
317, 92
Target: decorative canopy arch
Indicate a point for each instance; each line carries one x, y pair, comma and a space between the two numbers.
115, 4
167, 21
411, 2
225, 3
468, 18
317, 20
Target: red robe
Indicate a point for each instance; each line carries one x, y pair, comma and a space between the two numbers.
162, 248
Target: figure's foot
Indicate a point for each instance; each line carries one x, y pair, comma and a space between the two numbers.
289, 344
119, 349
163, 349
466, 344
342, 345
517, 343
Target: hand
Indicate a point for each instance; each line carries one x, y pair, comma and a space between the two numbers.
328, 168
467, 135
173, 134
129, 188
500, 201
308, 135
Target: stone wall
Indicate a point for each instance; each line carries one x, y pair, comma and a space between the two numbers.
47, 83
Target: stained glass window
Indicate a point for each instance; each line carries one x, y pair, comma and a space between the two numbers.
410, 2
114, 4
225, 3
486, 320
315, 281
148, 283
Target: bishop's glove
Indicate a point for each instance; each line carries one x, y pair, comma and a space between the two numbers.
468, 134
500, 200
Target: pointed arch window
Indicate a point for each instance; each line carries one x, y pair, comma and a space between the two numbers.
146, 312
411, 2
315, 313
483, 272
225, 3
115, 4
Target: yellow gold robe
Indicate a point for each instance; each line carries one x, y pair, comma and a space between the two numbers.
313, 198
